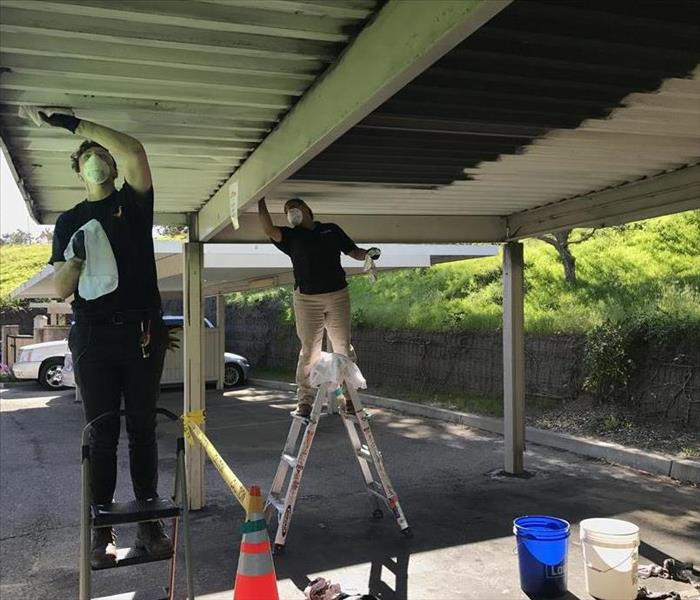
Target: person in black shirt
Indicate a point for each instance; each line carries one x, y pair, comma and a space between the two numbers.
118, 340
321, 298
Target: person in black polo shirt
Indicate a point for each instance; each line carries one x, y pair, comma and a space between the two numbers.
321, 298
118, 340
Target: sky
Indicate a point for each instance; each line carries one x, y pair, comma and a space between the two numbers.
13, 211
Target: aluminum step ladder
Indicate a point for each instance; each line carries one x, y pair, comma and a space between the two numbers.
138, 511
280, 504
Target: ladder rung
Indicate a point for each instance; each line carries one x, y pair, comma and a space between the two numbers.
127, 557
290, 460
364, 453
372, 489
278, 504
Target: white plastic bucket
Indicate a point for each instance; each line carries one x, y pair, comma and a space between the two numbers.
611, 554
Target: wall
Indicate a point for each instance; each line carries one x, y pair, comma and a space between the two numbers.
24, 317
428, 363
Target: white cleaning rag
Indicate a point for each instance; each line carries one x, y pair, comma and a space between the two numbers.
336, 369
99, 275
31, 112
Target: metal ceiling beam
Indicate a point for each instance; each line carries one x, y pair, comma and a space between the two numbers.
413, 229
403, 40
652, 197
205, 15
181, 75
28, 21
160, 218
132, 52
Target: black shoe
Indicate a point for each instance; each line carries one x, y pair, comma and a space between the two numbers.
103, 553
151, 538
303, 410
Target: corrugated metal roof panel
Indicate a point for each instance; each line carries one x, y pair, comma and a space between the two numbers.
200, 83
546, 101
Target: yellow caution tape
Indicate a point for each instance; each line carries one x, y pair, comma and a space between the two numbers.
191, 422
196, 417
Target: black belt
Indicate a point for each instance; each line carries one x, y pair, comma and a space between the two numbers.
119, 318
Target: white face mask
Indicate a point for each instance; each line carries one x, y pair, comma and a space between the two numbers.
95, 170
295, 216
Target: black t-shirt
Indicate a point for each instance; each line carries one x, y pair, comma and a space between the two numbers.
315, 255
127, 218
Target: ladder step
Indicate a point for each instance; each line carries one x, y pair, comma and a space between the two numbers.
127, 557
136, 511
278, 504
156, 594
290, 460
373, 488
364, 453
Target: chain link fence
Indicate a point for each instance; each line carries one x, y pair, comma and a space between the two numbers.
429, 364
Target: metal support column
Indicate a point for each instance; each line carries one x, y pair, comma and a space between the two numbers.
193, 271
221, 344
513, 358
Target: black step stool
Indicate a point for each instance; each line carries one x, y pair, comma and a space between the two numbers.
94, 516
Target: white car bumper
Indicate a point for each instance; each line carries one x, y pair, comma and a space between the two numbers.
26, 370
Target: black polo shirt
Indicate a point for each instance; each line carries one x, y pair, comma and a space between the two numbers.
315, 255
127, 218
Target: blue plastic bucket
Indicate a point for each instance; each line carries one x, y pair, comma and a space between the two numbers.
542, 548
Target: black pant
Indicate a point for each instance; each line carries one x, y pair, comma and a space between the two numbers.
109, 365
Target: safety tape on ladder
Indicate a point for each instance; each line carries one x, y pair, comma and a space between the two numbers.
191, 423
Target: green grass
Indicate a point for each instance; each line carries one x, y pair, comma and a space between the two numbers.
19, 263
647, 267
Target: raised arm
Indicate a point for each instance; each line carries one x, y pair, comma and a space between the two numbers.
274, 233
128, 151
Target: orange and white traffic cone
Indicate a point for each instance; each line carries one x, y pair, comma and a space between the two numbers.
255, 578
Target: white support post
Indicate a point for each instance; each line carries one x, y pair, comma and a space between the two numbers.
194, 360
513, 358
221, 344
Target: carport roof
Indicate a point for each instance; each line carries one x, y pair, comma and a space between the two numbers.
243, 267
514, 119
199, 83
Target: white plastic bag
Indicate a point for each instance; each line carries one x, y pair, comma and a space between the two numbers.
371, 269
336, 369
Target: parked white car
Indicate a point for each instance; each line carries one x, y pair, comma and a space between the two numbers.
43, 362
236, 368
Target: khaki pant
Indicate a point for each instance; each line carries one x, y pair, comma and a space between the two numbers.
314, 313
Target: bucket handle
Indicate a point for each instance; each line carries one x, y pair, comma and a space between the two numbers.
590, 566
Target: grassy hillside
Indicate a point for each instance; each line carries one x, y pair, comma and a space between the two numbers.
647, 267
19, 263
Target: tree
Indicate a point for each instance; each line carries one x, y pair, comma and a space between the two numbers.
177, 232
17, 238
45, 237
561, 241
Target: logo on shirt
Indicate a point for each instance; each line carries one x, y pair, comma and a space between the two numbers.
118, 212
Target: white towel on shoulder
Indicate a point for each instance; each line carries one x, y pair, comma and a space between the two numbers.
99, 275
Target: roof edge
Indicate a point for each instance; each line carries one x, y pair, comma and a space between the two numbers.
28, 201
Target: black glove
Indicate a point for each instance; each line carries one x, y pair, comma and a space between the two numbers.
68, 122
374, 253
79, 245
